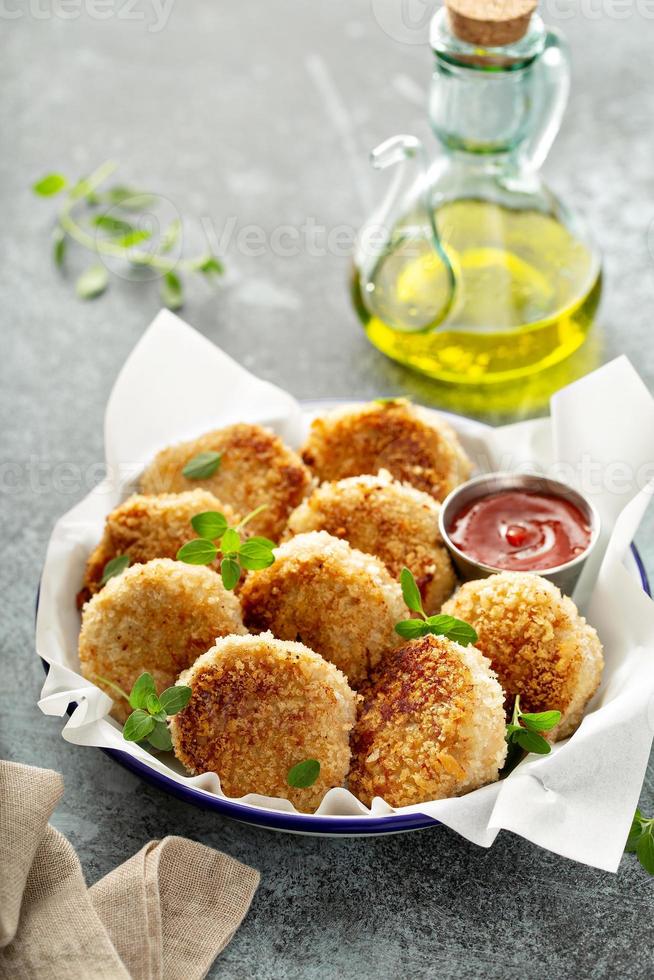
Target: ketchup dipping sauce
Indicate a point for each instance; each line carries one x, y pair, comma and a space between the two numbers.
520, 530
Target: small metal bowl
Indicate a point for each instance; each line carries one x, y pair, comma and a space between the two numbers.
564, 576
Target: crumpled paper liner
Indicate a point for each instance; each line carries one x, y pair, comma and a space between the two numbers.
579, 800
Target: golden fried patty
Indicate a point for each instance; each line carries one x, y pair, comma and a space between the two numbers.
255, 468
391, 520
146, 527
413, 444
339, 602
539, 645
157, 617
259, 707
431, 725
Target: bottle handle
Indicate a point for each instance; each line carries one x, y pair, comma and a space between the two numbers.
390, 236
553, 82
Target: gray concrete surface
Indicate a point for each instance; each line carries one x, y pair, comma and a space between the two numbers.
266, 111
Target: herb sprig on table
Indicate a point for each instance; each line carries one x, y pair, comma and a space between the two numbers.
236, 555
448, 626
116, 223
148, 719
641, 841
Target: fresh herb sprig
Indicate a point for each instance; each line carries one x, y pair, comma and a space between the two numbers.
236, 555
448, 626
148, 719
303, 774
111, 222
641, 841
525, 729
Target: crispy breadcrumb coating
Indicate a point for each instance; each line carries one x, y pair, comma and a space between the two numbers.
539, 645
391, 520
260, 706
157, 617
321, 592
146, 527
256, 468
414, 445
431, 725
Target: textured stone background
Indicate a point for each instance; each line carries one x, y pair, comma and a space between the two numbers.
266, 111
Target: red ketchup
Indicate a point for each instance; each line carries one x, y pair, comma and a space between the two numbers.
516, 530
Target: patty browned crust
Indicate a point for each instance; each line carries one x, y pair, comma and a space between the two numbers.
538, 644
149, 526
256, 468
391, 520
321, 592
414, 445
259, 707
157, 617
431, 725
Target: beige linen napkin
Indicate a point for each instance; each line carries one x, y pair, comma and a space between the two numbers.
164, 914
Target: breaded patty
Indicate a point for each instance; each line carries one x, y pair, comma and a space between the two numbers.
431, 725
391, 520
146, 527
414, 445
157, 617
259, 707
339, 602
538, 644
255, 468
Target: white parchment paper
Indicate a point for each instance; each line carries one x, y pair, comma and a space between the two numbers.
579, 800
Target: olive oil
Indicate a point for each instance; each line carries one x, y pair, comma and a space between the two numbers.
526, 291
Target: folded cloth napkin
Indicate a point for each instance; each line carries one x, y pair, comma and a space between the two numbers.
164, 914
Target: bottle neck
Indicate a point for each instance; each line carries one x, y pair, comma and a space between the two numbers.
482, 98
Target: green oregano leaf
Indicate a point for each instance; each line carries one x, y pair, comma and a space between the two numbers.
202, 466
411, 628
645, 851
92, 282
540, 721
210, 524
256, 553
153, 706
111, 224
454, 629
230, 541
175, 698
138, 726
304, 774
160, 738
143, 688
636, 831
129, 198
411, 592
49, 185
59, 244
135, 237
524, 730
200, 551
531, 742
172, 293
116, 566
211, 266
230, 571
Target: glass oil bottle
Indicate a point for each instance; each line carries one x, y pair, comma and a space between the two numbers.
471, 271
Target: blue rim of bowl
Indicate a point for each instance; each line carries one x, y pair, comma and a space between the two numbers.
299, 823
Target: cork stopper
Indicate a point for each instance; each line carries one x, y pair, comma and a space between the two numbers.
490, 23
